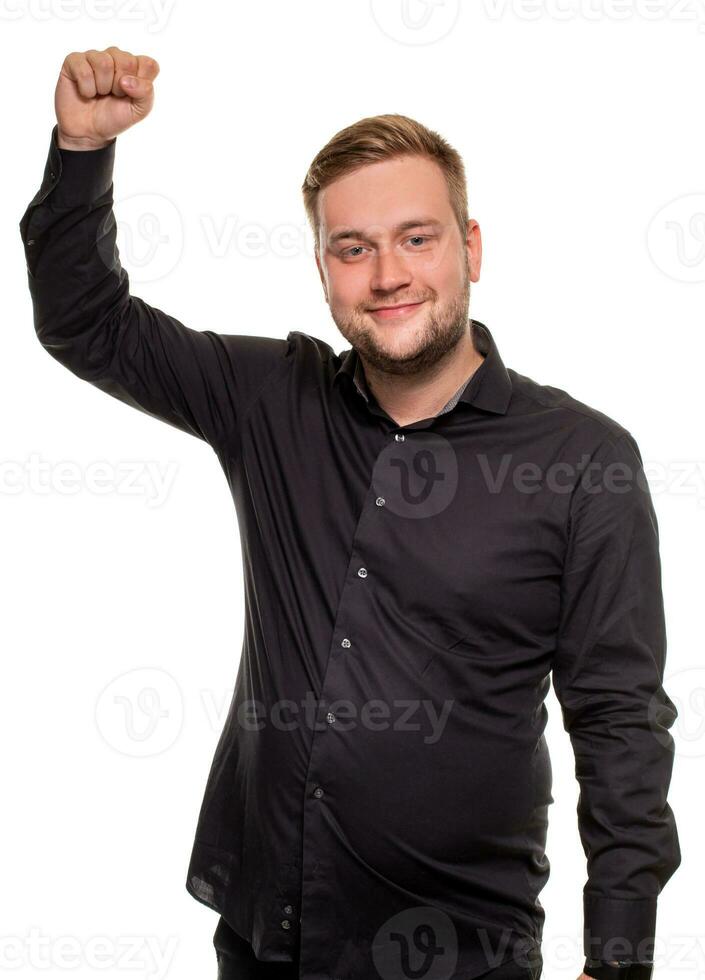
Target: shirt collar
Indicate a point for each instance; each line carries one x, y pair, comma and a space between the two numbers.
489, 388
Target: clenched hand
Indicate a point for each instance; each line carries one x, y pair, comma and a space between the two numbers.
100, 94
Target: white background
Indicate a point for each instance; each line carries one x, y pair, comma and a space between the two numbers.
582, 131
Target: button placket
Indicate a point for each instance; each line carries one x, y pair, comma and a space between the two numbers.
322, 756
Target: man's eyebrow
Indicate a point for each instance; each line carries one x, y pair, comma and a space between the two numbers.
404, 226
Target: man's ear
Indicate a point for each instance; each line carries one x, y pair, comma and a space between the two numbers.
473, 249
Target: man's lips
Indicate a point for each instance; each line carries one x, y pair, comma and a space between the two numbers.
392, 312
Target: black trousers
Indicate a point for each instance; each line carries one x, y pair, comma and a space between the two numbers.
236, 961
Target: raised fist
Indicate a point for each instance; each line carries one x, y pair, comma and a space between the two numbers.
100, 94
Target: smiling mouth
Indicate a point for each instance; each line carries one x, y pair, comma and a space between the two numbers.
391, 312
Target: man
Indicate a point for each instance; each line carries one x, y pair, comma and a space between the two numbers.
426, 536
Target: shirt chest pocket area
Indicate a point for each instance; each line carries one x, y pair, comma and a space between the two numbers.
476, 592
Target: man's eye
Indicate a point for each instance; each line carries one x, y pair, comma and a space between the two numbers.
355, 250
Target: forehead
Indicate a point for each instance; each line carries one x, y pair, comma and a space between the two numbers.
385, 193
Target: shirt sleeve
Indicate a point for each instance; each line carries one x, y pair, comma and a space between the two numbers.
608, 677
199, 381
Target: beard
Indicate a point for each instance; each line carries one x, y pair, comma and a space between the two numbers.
425, 343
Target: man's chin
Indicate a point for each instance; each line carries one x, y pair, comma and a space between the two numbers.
394, 358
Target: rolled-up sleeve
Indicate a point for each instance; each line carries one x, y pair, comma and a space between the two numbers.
608, 677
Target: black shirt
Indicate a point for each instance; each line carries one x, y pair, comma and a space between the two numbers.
381, 786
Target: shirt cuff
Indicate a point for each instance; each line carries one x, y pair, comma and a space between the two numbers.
75, 177
619, 929
601, 970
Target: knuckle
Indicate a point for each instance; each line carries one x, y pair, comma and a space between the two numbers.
150, 64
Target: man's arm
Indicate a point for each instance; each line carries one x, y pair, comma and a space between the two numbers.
608, 674
202, 382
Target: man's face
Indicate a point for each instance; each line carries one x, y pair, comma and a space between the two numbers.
389, 237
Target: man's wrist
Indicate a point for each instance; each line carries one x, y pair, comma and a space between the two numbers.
78, 143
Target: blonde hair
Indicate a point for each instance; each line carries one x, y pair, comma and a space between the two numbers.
377, 138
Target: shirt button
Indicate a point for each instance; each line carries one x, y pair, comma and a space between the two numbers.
330, 717
362, 572
399, 436
318, 792
345, 643
51, 174
380, 501
30, 241
286, 924
288, 909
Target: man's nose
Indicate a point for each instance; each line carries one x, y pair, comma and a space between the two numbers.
390, 272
